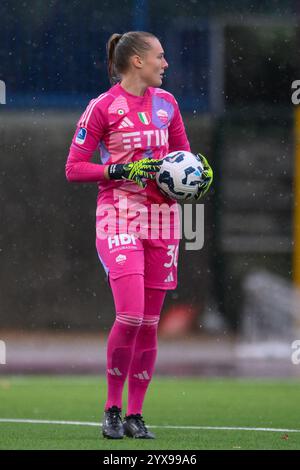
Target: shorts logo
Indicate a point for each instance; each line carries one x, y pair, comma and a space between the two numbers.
121, 259
122, 239
163, 115
144, 118
170, 278
80, 138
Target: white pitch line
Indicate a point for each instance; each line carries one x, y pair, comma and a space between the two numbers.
203, 428
42, 421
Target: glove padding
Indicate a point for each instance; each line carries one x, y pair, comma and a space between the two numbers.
135, 171
206, 177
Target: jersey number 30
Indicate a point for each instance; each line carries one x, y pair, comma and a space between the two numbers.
173, 253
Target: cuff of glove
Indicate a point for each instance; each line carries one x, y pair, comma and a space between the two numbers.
116, 171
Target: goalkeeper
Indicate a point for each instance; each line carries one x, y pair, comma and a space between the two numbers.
134, 124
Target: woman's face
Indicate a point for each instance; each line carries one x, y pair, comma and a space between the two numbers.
153, 64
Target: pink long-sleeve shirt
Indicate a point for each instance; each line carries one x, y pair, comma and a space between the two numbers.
125, 128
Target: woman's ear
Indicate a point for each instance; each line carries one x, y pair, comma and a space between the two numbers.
137, 61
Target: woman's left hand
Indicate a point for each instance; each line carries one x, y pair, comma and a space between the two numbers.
206, 177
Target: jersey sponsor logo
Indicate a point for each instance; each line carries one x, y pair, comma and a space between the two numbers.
163, 115
154, 138
119, 106
132, 140
121, 239
144, 117
126, 123
80, 138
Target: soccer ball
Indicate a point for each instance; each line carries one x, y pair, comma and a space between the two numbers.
179, 175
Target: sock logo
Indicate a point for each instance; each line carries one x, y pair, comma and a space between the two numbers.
143, 376
114, 371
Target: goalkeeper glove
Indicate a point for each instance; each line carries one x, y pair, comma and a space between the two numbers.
135, 171
206, 177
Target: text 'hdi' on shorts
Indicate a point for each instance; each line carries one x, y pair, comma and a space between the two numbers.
156, 260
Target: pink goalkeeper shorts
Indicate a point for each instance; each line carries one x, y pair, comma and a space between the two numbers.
155, 259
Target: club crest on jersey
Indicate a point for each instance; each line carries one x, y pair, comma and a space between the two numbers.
163, 115
80, 138
144, 118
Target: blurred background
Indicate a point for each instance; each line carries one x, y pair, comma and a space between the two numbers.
231, 67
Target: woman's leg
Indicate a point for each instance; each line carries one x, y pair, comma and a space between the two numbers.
128, 293
145, 351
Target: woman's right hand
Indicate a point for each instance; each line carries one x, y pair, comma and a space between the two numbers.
135, 171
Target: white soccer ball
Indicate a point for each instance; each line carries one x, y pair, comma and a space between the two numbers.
179, 175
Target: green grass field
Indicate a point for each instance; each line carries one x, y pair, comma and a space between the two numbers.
170, 402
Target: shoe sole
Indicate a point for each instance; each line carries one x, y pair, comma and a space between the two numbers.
140, 437
111, 437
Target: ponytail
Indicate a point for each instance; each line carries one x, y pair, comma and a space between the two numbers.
110, 50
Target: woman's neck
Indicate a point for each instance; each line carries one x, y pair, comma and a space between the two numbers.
133, 87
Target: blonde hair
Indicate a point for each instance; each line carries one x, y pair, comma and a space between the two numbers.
122, 46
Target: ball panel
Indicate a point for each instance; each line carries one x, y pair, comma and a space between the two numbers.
179, 175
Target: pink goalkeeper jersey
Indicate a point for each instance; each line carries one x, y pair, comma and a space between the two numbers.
125, 128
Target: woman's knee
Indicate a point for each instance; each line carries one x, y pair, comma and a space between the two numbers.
129, 294
154, 300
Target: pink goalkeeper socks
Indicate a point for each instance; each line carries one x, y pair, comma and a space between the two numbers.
143, 363
132, 342
120, 348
